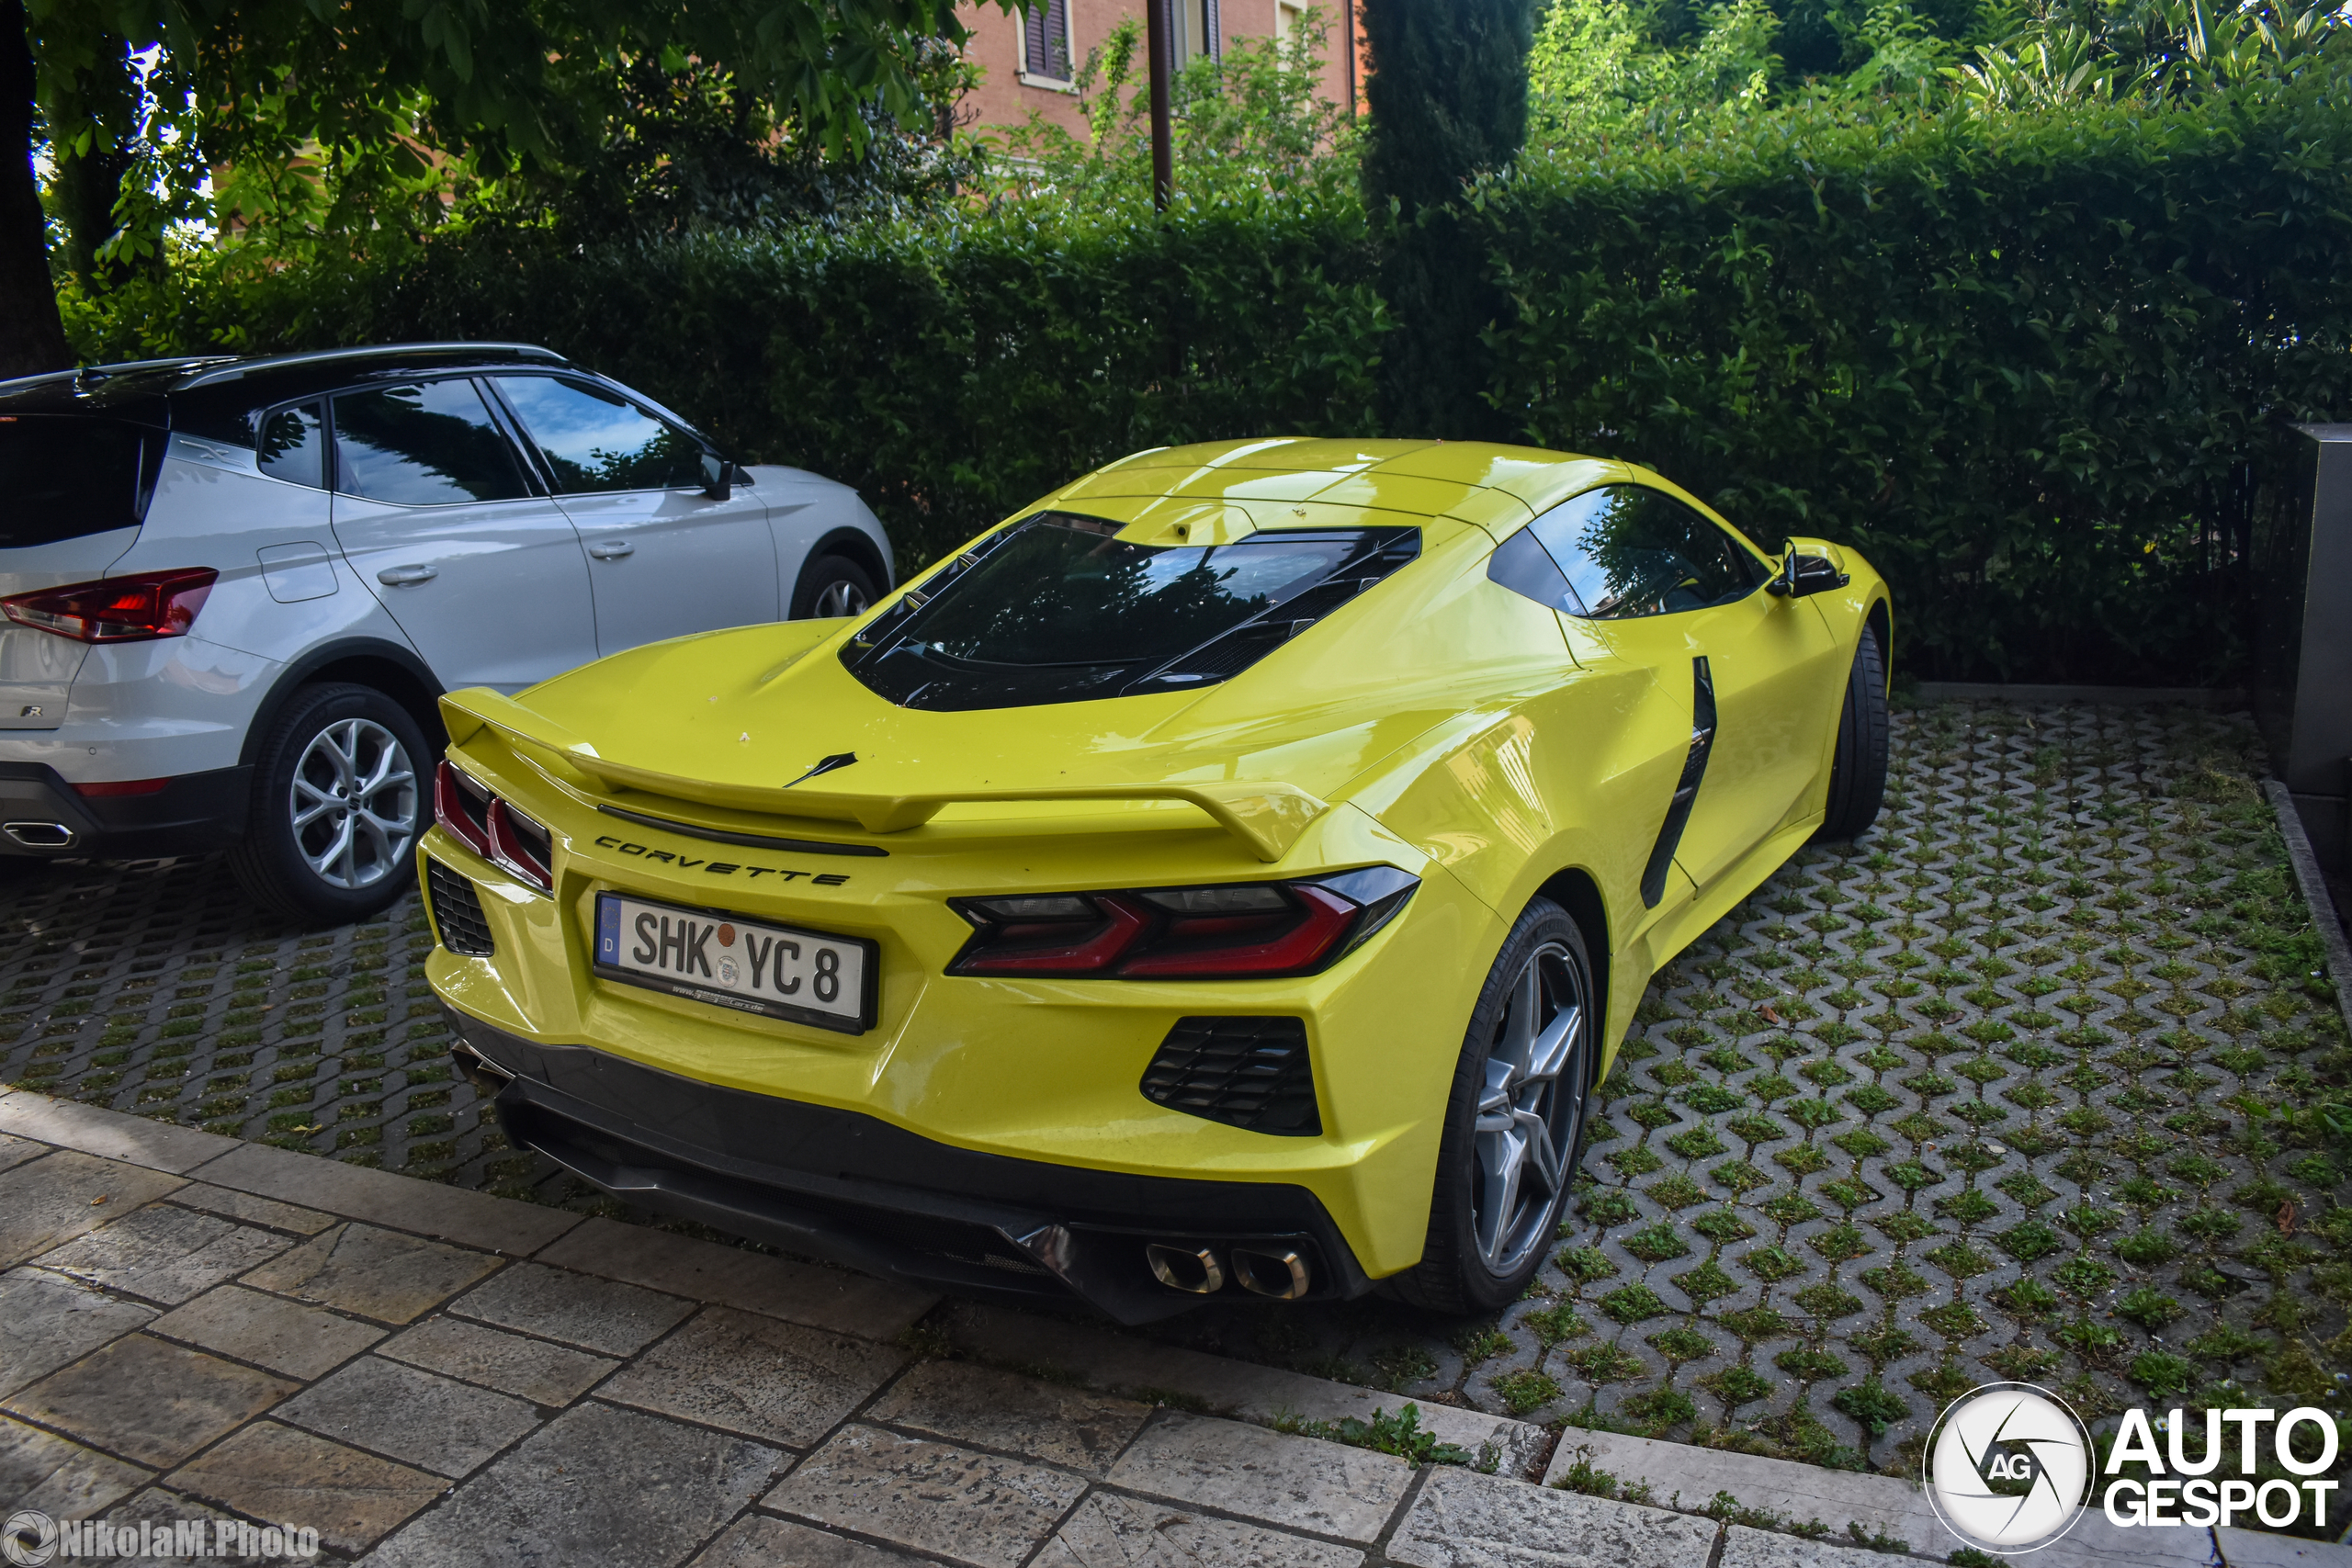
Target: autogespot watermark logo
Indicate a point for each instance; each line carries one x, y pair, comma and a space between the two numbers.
2007, 1468
32, 1539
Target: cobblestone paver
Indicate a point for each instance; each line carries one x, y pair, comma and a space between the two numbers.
2032, 1082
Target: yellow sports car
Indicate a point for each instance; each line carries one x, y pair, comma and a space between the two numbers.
1229, 877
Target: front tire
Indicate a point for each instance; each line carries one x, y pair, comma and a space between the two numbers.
1858, 775
1514, 1122
832, 587
339, 798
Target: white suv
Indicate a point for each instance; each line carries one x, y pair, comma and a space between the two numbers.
233, 589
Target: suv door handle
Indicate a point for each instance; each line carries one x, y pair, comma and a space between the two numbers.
612, 549
405, 576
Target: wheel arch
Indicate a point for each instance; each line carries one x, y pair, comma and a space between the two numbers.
1574, 890
1881, 620
855, 543
387, 667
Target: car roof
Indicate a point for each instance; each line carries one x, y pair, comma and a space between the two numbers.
216, 395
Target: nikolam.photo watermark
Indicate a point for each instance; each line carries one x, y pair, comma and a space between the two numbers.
2010, 1468
32, 1539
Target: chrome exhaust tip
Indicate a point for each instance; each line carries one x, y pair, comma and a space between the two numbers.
487, 1076
39, 835
1282, 1275
1195, 1270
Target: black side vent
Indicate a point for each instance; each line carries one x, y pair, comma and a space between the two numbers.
1246, 1072
457, 912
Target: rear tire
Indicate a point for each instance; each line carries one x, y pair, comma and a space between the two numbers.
339, 798
1858, 776
1523, 1076
832, 587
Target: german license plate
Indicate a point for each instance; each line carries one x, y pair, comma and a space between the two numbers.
709, 955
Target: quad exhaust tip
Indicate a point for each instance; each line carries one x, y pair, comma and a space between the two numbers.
39, 835
1281, 1276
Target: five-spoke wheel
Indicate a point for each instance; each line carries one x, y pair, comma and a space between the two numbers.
1515, 1121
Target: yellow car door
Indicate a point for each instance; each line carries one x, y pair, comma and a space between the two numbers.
1665, 589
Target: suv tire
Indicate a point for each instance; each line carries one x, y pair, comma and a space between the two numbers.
834, 586
1489, 1234
340, 792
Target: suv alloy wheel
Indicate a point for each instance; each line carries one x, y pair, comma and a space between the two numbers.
339, 798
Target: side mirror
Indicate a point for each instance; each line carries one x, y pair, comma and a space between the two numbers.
1800, 575
1784, 582
717, 477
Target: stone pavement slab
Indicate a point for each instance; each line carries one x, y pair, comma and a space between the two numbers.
376, 1273
1102, 1358
288, 1338
555, 1499
136, 1140
596, 1315
1462, 1520
47, 1202
404, 1413
528, 1369
267, 1212
1303, 1483
1746, 1547
47, 1320
14, 1151
992, 1409
756, 1540
446, 1213
269, 1471
1111, 1531
152, 1403
759, 1376
2239, 1548
165, 1254
803, 1292
65, 1481
935, 1496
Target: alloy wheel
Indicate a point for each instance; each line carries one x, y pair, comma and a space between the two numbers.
353, 804
839, 598
1529, 1114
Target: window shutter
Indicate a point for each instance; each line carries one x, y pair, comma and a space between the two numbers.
1045, 28
1214, 45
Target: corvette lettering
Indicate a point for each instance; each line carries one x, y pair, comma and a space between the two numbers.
720, 867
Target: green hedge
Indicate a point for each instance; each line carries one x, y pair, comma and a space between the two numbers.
2015, 358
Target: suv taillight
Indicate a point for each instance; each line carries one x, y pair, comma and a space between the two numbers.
1237, 930
138, 608
491, 828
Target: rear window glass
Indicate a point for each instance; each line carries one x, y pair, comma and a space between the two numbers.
1057, 609
428, 445
67, 478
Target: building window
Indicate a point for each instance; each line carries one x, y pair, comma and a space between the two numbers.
1197, 32
1044, 39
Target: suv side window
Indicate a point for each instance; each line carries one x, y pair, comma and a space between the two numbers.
294, 445
1628, 550
595, 440
424, 444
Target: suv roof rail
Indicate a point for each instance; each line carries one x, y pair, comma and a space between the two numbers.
236, 369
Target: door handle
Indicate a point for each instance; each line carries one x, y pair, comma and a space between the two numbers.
612, 549
405, 576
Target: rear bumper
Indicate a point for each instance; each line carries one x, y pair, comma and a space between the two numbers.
43, 817
856, 1190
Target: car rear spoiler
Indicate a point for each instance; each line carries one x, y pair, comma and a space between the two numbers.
1267, 819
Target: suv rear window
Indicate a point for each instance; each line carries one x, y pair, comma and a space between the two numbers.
67, 478
1057, 609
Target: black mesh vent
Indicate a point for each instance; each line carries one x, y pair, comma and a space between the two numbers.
1247, 1072
457, 912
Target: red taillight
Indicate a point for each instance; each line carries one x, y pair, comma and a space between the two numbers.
1247, 930
491, 828
462, 807
138, 608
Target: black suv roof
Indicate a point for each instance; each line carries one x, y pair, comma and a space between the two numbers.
217, 397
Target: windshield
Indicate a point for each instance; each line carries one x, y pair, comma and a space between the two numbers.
1058, 609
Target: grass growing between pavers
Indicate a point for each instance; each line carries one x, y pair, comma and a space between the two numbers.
2030, 1083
